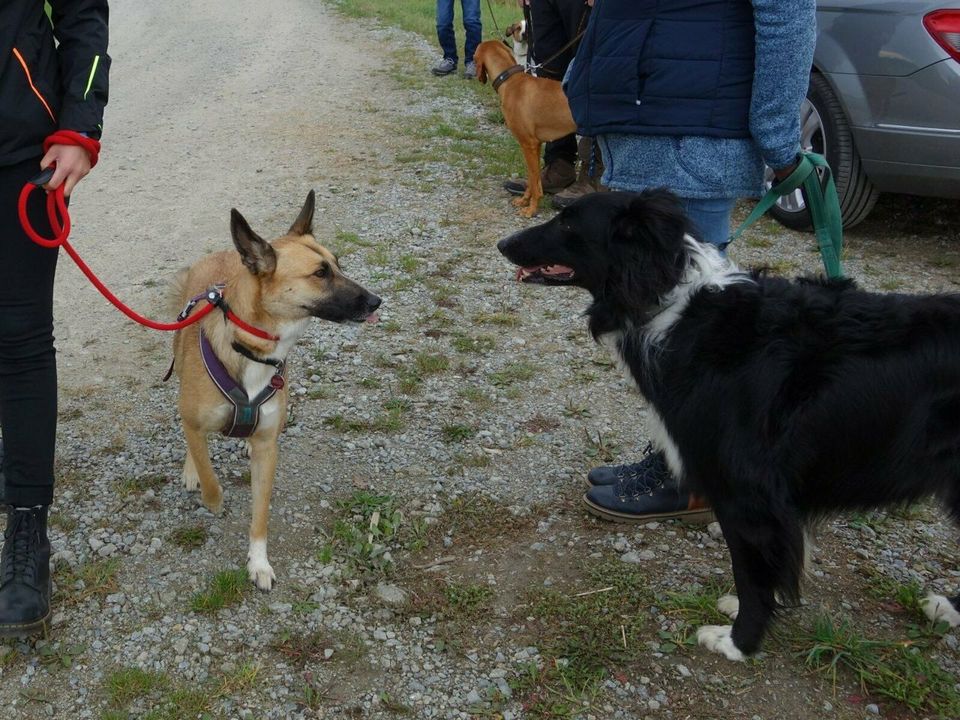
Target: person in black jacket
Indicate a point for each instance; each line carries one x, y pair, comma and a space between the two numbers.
53, 79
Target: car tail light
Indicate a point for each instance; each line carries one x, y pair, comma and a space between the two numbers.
944, 27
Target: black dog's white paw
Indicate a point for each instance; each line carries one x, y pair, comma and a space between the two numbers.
937, 608
716, 638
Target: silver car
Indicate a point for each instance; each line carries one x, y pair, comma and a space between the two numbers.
883, 104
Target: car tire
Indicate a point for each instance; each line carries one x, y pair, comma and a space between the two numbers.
824, 129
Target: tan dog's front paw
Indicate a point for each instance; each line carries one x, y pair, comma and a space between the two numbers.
520, 201
213, 499
191, 480
258, 567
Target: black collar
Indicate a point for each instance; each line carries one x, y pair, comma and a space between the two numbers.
506, 75
248, 354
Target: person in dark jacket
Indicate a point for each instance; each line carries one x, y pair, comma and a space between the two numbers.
696, 96
53, 88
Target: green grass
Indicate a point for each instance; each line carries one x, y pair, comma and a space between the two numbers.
600, 448
457, 432
95, 579
468, 598
431, 363
189, 537
128, 684
476, 396
420, 16
130, 486
226, 589
367, 528
470, 344
512, 373
392, 420
503, 319
582, 638
899, 670
168, 700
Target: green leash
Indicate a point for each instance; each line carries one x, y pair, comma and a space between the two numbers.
822, 201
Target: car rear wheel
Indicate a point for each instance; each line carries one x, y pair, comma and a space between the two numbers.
824, 129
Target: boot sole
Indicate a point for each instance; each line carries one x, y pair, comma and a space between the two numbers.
700, 516
19, 630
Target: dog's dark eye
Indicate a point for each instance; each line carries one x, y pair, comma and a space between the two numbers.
323, 271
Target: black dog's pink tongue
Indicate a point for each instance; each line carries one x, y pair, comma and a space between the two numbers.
372, 318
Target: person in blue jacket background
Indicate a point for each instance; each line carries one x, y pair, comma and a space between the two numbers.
696, 96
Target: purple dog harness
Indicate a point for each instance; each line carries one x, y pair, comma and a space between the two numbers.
246, 411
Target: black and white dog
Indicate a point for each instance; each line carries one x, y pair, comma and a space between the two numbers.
781, 402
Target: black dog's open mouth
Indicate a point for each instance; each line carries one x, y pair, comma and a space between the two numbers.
545, 274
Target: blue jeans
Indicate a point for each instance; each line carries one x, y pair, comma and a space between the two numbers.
710, 218
471, 23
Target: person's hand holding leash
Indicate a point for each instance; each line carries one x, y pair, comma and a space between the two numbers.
73, 164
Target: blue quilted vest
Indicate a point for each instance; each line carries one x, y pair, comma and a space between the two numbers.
665, 67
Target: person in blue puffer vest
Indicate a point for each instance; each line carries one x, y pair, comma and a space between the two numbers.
696, 96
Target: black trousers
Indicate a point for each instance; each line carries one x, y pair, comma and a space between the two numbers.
28, 368
555, 23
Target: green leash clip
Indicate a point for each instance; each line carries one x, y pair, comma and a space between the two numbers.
822, 201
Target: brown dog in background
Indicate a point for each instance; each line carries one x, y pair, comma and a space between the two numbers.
518, 34
534, 109
276, 287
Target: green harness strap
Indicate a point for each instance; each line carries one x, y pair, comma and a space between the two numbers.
822, 201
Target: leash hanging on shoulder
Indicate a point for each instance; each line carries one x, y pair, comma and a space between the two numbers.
822, 201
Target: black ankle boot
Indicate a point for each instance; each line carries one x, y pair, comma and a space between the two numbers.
25, 572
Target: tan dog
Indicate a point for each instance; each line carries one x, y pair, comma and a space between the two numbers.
276, 287
534, 109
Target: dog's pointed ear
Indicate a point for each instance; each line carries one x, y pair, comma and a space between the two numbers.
650, 233
303, 225
257, 254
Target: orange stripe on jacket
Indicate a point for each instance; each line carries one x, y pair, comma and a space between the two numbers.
32, 86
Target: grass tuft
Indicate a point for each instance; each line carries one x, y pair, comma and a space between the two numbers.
227, 588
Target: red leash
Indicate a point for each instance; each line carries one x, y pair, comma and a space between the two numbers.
60, 222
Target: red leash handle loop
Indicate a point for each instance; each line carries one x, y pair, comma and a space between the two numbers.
59, 218
69, 137
56, 212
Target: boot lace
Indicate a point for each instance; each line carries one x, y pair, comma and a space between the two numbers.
19, 540
642, 478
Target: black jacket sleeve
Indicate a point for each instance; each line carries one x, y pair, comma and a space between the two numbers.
80, 27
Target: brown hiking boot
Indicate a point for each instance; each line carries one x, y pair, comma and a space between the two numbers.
554, 177
587, 182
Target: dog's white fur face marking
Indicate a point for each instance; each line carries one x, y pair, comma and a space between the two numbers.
258, 568
937, 608
716, 638
707, 269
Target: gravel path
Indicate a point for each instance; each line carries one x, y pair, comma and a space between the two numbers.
476, 406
